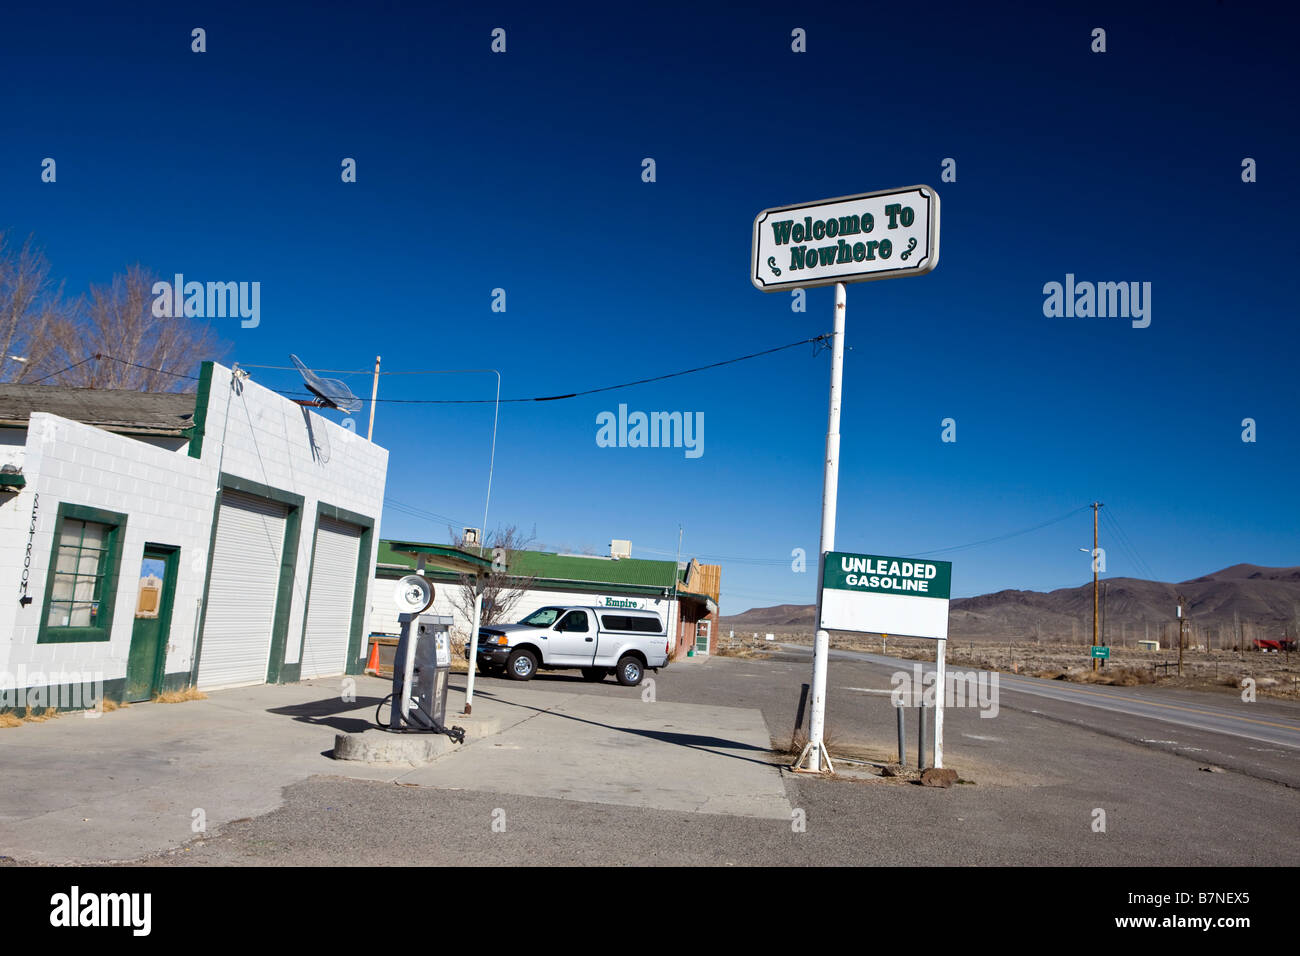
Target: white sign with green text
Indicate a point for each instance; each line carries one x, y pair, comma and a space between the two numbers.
886, 595
876, 235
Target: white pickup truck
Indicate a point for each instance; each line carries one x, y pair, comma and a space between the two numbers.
595, 639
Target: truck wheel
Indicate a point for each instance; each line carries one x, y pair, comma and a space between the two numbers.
521, 665
594, 674
629, 671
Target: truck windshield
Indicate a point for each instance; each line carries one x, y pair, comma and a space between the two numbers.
542, 617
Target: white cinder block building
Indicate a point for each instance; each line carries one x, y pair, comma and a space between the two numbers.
151, 541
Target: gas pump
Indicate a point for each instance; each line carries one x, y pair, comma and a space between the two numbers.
422, 664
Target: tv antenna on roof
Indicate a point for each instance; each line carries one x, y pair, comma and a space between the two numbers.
329, 392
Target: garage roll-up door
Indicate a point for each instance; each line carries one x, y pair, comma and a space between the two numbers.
331, 597
242, 591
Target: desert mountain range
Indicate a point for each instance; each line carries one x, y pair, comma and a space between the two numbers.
1260, 602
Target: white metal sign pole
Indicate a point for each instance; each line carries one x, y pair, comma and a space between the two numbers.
473, 643
938, 703
816, 749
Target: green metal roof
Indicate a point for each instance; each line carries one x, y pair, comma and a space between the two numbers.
442, 557
549, 566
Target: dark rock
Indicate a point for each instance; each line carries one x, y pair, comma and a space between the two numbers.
942, 777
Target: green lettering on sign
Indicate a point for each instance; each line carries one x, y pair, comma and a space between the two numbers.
881, 574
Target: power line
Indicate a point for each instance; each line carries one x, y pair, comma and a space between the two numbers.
415, 512
1127, 543
576, 394
1114, 530
61, 371
1003, 537
472, 401
161, 371
113, 358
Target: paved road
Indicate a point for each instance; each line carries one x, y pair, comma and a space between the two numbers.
1037, 782
1261, 738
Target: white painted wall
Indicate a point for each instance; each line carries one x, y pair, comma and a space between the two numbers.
262, 436
168, 498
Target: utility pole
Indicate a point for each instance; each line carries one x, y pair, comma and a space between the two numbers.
1103, 621
374, 394
1181, 619
1095, 506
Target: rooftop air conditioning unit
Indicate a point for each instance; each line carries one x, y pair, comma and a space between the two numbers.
620, 549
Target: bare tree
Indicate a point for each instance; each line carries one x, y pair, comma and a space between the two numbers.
114, 340
502, 588
30, 306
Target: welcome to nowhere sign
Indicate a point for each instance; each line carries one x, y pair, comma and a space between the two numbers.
885, 595
851, 239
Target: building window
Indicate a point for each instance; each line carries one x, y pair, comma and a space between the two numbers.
83, 575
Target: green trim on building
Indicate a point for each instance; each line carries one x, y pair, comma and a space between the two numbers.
277, 671
207, 585
196, 430
250, 487
100, 632
352, 663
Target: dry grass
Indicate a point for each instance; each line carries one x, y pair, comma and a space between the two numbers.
799, 739
1110, 677
108, 706
32, 717
741, 651
180, 696
9, 720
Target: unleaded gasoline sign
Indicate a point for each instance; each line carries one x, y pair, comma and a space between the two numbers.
851, 239
884, 595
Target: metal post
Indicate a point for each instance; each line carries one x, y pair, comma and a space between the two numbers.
939, 654
374, 394
902, 749
920, 739
816, 749
473, 643
492, 463
1095, 506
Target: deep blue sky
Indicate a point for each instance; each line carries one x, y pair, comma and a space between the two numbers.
523, 171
